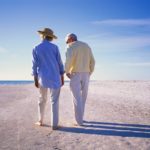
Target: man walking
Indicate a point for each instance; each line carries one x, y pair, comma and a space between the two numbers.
79, 66
48, 73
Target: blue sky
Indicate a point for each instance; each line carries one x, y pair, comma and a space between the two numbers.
118, 32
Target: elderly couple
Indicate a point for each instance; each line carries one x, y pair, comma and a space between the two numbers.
48, 72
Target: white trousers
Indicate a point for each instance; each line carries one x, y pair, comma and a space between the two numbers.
54, 94
79, 86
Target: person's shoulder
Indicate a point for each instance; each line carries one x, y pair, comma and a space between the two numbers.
54, 45
76, 44
38, 45
83, 44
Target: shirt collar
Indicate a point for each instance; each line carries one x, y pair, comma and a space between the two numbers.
45, 40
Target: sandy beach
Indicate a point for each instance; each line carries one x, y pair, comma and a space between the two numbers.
117, 117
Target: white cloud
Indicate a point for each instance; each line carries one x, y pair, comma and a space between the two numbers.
2, 50
140, 64
118, 43
123, 22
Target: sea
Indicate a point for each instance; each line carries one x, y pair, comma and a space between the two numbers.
15, 82
19, 82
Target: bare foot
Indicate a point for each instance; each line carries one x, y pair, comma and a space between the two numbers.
38, 123
75, 124
55, 127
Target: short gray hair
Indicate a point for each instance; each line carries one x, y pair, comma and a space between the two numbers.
71, 35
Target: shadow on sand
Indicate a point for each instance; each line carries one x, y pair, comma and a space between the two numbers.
111, 129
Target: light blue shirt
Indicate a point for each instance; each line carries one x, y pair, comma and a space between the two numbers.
47, 65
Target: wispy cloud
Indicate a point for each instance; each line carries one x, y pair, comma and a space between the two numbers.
131, 64
2, 50
118, 43
123, 22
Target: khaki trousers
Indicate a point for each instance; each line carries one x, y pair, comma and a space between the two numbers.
54, 94
79, 86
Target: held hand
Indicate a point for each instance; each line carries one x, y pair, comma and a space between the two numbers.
68, 75
36, 82
62, 80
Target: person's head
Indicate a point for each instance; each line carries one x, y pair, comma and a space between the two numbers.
71, 37
47, 34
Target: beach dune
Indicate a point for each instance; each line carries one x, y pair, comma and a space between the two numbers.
117, 117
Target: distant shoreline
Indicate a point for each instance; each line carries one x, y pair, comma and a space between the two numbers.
18, 82
15, 82
24, 82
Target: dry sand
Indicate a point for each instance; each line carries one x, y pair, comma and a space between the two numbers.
117, 117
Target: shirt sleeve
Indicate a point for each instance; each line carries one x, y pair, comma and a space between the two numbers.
34, 63
69, 60
92, 63
59, 60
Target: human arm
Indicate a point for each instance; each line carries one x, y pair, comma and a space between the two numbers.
61, 67
69, 62
92, 63
62, 80
34, 68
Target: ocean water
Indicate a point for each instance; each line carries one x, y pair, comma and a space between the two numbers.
15, 82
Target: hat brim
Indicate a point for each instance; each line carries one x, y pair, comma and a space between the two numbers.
46, 34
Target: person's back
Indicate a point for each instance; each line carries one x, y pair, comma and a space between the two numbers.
82, 53
47, 55
79, 58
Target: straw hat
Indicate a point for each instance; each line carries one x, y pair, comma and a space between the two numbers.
48, 32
